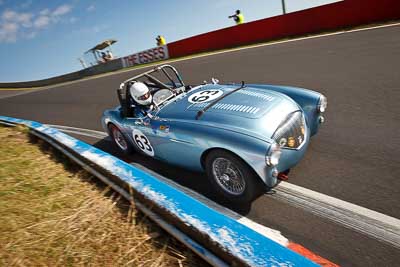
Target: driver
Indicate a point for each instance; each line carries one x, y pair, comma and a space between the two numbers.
142, 98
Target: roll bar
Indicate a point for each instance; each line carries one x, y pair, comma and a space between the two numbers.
123, 92
157, 69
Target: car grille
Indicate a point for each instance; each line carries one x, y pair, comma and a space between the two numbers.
291, 132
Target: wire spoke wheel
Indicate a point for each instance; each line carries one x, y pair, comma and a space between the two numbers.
228, 176
119, 138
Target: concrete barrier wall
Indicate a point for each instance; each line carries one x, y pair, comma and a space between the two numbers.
54, 80
147, 56
113, 65
328, 17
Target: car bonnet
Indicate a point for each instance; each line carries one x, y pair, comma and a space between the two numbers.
250, 108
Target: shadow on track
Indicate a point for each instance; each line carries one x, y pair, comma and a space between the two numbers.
195, 181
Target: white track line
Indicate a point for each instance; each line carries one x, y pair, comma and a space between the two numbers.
249, 47
377, 225
207, 54
301, 39
79, 131
168, 61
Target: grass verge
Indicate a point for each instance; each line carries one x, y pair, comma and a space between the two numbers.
53, 213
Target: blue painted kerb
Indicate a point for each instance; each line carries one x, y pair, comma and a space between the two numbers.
247, 244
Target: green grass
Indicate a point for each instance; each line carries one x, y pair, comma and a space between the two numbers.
53, 213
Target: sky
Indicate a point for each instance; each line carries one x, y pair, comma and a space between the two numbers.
41, 39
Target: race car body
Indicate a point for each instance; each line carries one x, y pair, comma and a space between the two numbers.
244, 136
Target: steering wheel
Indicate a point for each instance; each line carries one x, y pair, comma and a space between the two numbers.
160, 96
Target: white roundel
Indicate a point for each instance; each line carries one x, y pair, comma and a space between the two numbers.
205, 96
142, 142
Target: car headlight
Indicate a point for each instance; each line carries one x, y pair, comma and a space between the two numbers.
322, 104
273, 156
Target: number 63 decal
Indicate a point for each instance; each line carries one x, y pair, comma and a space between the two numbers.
142, 142
205, 96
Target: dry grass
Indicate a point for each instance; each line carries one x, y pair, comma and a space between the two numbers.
55, 214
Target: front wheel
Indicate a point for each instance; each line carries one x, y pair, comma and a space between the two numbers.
119, 139
231, 177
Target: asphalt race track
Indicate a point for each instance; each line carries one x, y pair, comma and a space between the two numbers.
355, 157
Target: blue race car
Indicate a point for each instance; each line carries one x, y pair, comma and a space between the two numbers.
246, 137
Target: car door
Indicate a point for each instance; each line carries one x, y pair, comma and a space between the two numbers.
152, 137
174, 144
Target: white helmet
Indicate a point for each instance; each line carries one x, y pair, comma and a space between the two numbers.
141, 93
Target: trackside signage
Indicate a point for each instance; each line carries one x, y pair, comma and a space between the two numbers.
147, 56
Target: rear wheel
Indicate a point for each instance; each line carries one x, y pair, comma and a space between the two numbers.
119, 139
231, 177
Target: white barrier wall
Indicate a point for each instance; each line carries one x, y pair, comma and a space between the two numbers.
151, 55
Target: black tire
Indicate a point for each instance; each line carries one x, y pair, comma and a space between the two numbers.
245, 183
119, 139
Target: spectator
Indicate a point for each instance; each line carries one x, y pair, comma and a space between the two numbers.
238, 17
109, 55
104, 57
161, 40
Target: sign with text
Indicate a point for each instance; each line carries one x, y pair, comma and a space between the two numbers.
147, 56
